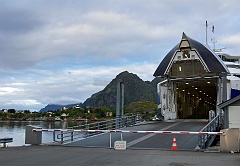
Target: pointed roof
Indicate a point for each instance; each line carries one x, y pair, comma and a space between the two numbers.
211, 59
229, 102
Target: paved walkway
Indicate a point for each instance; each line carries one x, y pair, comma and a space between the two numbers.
71, 156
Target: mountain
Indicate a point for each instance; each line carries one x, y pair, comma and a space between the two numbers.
135, 89
54, 107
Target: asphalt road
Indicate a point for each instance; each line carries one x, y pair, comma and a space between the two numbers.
71, 156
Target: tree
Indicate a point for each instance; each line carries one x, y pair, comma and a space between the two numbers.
11, 111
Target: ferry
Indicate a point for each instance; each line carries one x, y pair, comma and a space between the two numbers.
233, 65
196, 80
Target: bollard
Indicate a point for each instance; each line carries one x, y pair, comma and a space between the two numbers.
230, 140
34, 138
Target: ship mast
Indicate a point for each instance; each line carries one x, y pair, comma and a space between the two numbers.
214, 41
206, 33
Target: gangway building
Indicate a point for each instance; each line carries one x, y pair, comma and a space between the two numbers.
195, 81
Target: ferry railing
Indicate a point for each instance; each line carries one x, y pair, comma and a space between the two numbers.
205, 140
101, 125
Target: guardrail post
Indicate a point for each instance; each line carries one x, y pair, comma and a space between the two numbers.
107, 124
98, 125
132, 120
61, 137
87, 127
110, 140
54, 137
71, 136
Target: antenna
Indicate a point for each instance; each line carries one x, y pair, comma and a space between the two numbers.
207, 24
219, 49
213, 40
206, 33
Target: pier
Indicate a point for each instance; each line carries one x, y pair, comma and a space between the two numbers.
75, 156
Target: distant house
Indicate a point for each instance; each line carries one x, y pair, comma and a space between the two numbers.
109, 114
57, 118
64, 108
232, 108
64, 115
20, 111
76, 106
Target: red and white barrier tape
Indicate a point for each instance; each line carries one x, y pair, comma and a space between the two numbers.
127, 131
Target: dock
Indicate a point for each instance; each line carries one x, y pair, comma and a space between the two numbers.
75, 156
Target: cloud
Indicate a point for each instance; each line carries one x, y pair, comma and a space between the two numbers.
103, 35
8, 90
230, 44
18, 22
64, 86
64, 51
232, 39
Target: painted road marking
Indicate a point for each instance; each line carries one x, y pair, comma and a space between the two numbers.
149, 135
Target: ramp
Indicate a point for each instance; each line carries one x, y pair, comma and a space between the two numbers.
150, 140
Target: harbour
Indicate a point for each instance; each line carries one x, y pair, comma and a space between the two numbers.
16, 130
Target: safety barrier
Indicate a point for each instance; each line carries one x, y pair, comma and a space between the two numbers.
128, 131
125, 131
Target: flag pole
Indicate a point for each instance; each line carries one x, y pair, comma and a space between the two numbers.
206, 33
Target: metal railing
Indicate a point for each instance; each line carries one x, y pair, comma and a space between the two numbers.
204, 141
101, 125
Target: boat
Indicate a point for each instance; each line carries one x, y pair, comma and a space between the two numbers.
233, 65
196, 79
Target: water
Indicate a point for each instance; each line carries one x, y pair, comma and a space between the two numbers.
16, 130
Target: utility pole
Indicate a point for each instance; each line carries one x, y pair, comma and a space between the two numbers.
120, 102
206, 33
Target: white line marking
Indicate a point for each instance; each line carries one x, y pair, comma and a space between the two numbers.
149, 135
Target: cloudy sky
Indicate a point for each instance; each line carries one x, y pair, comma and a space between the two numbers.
62, 51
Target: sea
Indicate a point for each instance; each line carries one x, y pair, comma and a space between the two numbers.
16, 130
